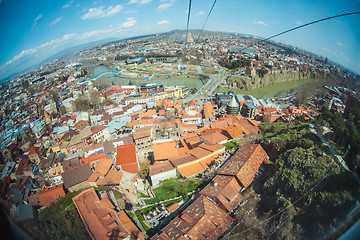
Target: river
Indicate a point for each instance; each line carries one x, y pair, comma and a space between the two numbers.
116, 80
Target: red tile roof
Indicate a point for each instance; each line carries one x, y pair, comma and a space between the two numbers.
126, 158
213, 137
97, 129
32, 150
49, 195
160, 168
172, 207
201, 220
190, 170
165, 150
92, 158
225, 191
245, 163
101, 220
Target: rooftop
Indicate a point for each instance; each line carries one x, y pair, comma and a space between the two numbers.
201, 220
126, 158
101, 220
245, 163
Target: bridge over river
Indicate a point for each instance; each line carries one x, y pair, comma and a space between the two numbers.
106, 72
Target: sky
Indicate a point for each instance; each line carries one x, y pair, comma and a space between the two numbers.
33, 30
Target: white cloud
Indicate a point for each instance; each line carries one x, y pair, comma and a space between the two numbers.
21, 55
130, 22
139, 2
163, 22
260, 23
200, 13
298, 22
29, 57
55, 21
340, 44
164, 6
68, 4
36, 20
102, 12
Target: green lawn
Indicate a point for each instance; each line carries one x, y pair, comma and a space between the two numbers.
171, 188
167, 203
141, 219
229, 146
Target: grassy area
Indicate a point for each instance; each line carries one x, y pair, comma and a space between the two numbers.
270, 90
142, 195
167, 203
272, 127
62, 204
171, 188
141, 219
305, 191
230, 145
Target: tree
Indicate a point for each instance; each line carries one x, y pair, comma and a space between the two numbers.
82, 103
261, 72
94, 99
203, 77
144, 168
55, 97
193, 90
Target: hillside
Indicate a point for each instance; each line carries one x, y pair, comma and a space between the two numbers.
304, 193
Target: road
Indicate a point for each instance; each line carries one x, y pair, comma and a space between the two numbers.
210, 87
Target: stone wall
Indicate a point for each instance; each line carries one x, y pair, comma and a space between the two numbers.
249, 83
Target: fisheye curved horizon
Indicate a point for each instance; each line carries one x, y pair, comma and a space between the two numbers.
169, 119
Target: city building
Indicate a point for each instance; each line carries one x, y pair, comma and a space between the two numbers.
50, 194
76, 178
224, 191
126, 158
102, 220
201, 220
245, 163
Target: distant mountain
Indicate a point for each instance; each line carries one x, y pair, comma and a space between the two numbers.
176, 34
68, 51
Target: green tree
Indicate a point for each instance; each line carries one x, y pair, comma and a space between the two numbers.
261, 72
82, 103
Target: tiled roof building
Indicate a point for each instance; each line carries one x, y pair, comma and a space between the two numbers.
126, 158
165, 150
49, 195
245, 163
103, 175
93, 158
201, 220
101, 220
225, 191
77, 177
